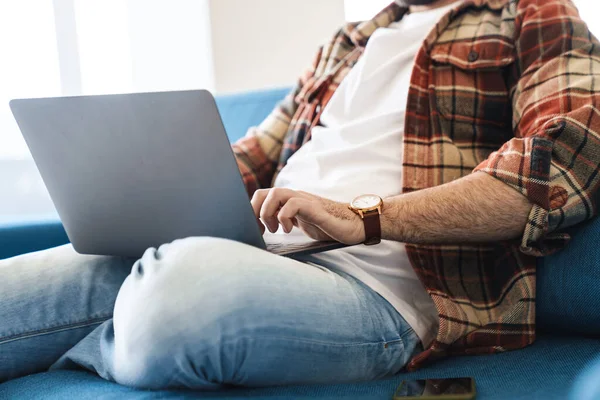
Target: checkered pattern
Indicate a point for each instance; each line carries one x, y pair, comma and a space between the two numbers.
507, 87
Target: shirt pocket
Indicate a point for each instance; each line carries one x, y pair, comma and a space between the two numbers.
469, 82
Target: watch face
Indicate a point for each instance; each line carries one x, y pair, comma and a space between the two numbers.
366, 201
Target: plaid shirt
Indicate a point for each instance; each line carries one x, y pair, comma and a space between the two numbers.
507, 87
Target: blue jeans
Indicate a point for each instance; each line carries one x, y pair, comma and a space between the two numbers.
197, 313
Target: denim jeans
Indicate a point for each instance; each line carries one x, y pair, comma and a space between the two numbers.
197, 313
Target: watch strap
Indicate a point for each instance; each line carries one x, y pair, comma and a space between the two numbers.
372, 227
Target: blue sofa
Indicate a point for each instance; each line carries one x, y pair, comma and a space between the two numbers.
568, 321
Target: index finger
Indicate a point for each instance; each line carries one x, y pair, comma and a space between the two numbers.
258, 198
275, 199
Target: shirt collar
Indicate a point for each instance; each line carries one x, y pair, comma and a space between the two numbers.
359, 33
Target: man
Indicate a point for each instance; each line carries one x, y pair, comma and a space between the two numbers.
475, 121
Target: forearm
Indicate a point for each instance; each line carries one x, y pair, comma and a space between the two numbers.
473, 209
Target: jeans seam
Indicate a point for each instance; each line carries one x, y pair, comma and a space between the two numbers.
54, 329
409, 330
290, 338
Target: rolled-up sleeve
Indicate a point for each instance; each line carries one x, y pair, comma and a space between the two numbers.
554, 157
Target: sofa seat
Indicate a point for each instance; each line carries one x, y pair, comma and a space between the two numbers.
545, 371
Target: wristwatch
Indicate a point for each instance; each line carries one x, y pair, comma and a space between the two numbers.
368, 207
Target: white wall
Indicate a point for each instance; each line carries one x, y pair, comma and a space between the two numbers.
103, 49
268, 43
170, 44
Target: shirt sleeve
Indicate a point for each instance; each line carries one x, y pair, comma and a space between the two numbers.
554, 156
258, 152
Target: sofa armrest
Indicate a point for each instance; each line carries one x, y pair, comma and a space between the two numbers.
24, 237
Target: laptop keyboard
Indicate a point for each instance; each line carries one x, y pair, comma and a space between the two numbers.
288, 247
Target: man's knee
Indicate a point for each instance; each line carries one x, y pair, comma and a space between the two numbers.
185, 265
196, 253
197, 295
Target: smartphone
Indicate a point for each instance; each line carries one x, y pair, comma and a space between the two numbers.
437, 389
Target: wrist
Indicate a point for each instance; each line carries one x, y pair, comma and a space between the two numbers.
368, 207
391, 226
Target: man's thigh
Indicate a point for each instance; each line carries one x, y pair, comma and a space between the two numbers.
49, 300
201, 312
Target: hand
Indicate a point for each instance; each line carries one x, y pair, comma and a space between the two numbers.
318, 218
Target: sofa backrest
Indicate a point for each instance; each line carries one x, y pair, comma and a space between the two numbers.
568, 298
243, 110
568, 284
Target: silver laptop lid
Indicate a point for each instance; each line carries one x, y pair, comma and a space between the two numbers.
130, 171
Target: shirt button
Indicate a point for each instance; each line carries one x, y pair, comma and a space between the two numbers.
558, 197
473, 56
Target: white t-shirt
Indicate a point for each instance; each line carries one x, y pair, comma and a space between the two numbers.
358, 150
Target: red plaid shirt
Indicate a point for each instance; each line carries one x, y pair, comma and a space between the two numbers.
507, 87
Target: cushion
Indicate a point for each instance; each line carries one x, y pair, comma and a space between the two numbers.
568, 297
241, 111
544, 371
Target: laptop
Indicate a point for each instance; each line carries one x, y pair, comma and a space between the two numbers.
131, 171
